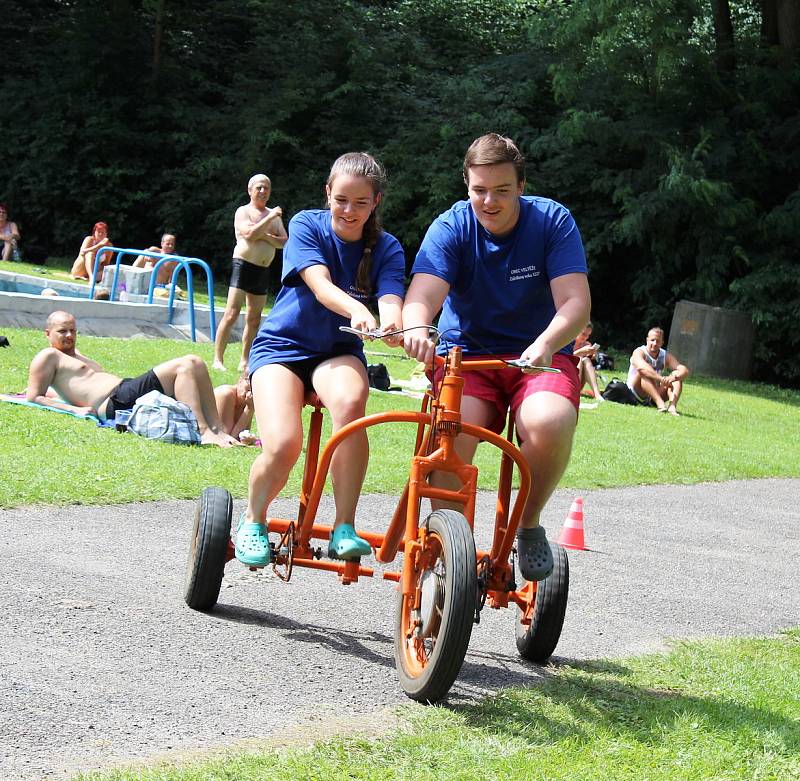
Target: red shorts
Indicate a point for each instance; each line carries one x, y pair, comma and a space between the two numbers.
509, 387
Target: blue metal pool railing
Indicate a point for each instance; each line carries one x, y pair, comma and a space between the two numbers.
184, 262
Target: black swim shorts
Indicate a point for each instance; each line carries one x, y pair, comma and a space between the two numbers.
305, 367
126, 393
249, 277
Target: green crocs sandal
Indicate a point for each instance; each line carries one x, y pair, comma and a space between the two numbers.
346, 544
252, 544
535, 556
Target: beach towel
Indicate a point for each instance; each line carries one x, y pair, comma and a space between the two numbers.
19, 398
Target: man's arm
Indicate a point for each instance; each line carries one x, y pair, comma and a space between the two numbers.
141, 260
277, 235
41, 374
250, 230
678, 372
424, 299
573, 304
645, 369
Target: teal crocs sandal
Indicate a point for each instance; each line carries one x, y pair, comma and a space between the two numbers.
346, 544
535, 556
252, 544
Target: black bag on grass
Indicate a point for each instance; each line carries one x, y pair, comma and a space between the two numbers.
378, 376
618, 391
604, 361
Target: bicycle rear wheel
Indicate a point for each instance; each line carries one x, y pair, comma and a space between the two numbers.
208, 554
537, 641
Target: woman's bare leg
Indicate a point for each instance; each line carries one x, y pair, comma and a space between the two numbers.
342, 385
278, 399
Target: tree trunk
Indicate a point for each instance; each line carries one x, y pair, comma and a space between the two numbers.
723, 33
769, 22
158, 32
788, 23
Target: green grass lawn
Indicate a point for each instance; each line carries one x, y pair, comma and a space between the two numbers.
722, 710
59, 268
728, 430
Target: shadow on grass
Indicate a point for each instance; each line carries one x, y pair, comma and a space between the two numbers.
578, 707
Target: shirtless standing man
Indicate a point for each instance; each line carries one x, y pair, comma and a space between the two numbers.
259, 231
88, 390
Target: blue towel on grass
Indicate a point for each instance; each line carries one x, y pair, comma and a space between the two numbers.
12, 399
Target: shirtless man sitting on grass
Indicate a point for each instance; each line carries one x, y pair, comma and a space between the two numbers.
88, 390
646, 376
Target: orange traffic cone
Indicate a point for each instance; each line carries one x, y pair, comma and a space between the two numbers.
572, 534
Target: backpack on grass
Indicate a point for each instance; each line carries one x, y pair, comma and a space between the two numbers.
618, 391
378, 376
157, 416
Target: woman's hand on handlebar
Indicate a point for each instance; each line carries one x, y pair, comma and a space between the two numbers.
361, 319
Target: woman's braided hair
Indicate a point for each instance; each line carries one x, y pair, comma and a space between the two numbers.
364, 164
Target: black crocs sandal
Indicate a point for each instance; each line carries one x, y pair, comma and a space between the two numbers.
535, 556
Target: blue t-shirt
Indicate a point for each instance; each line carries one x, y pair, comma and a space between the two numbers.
500, 287
299, 326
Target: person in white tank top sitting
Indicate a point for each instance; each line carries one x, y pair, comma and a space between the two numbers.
646, 376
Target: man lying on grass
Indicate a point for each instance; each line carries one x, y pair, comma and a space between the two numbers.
87, 390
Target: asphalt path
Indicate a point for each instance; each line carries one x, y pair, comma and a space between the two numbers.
101, 661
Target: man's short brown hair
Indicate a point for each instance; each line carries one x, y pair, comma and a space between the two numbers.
493, 149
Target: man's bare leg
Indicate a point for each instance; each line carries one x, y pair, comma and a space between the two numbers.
186, 379
232, 308
546, 425
642, 386
255, 306
674, 393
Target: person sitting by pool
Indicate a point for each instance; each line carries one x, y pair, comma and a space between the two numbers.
83, 266
168, 242
9, 234
85, 389
235, 408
